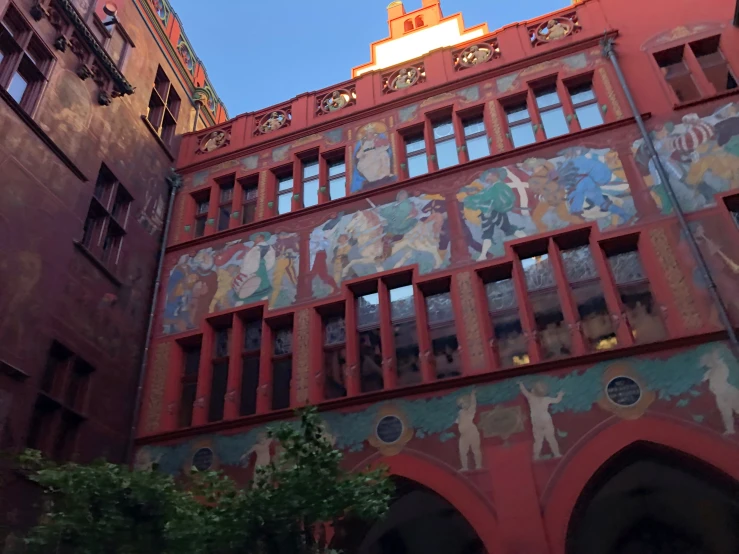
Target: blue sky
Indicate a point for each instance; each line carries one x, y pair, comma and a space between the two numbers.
261, 52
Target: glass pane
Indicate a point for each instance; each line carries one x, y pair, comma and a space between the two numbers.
554, 123
517, 113
547, 97
336, 168
414, 144
626, 267
202, 207
579, 265
200, 227
370, 360
589, 116
220, 343
538, 272
581, 93
473, 126
720, 76
310, 169
187, 399
310, 193
446, 154
510, 340
337, 187
334, 331
368, 309
439, 308
334, 362
521, 135
477, 147
401, 303
285, 183
253, 335
218, 387
417, 165
17, 87
283, 342
224, 216
251, 193
226, 193
501, 295
445, 348
281, 374
443, 129
116, 46
598, 326
406, 353
284, 203
249, 385
642, 312
249, 212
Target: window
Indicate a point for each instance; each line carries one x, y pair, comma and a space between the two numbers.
475, 138
202, 206
282, 367
415, 155
443, 335
310, 182
554, 335
334, 357
444, 143
337, 178
250, 367
585, 105
164, 107
405, 334
370, 346
550, 111
105, 225
587, 290
642, 312
676, 73
24, 60
188, 383
509, 340
225, 202
114, 39
219, 375
57, 363
520, 129
250, 194
284, 194
714, 65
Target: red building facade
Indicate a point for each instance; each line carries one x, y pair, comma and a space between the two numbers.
92, 107
484, 274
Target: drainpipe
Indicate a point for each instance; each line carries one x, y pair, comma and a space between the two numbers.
610, 52
175, 182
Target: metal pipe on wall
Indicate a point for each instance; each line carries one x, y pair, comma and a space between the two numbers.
610, 52
175, 182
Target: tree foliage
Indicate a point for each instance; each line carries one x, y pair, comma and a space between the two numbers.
108, 508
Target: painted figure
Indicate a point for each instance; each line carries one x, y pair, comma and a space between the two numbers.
469, 434
261, 451
542, 425
550, 194
373, 158
726, 394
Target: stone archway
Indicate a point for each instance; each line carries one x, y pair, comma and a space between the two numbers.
651, 499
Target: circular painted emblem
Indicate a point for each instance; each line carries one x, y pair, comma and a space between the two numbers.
623, 391
202, 460
389, 429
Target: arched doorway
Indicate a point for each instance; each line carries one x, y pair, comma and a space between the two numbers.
420, 521
650, 499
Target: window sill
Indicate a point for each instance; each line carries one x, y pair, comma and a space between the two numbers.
12, 371
46, 139
159, 140
97, 263
719, 96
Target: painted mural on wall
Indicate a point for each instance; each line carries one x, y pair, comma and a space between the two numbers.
372, 157
262, 268
700, 155
698, 386
580, 185
410, 230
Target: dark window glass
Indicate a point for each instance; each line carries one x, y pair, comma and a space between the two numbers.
334, 356
405, 333
370, 346
676, 73
510, 342
189, 384
443, 335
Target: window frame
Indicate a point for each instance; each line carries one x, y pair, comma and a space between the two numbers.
247, 184
223, 184
167, 107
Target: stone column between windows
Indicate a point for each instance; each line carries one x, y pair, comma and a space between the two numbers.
351, 377
525, 311
467, 297
566, 301
172, 390
428, 372
233, 384
264, 391
459, 138
301, 357
705, 86
389, 364
539, 133
205, 374
610, 293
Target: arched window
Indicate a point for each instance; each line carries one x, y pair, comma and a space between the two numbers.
419, 21
407, 25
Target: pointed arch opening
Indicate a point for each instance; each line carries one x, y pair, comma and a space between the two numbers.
652, 499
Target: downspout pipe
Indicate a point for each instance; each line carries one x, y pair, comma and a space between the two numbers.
610, 53
175, 183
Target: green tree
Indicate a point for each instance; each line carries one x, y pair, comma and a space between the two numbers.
104, 508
